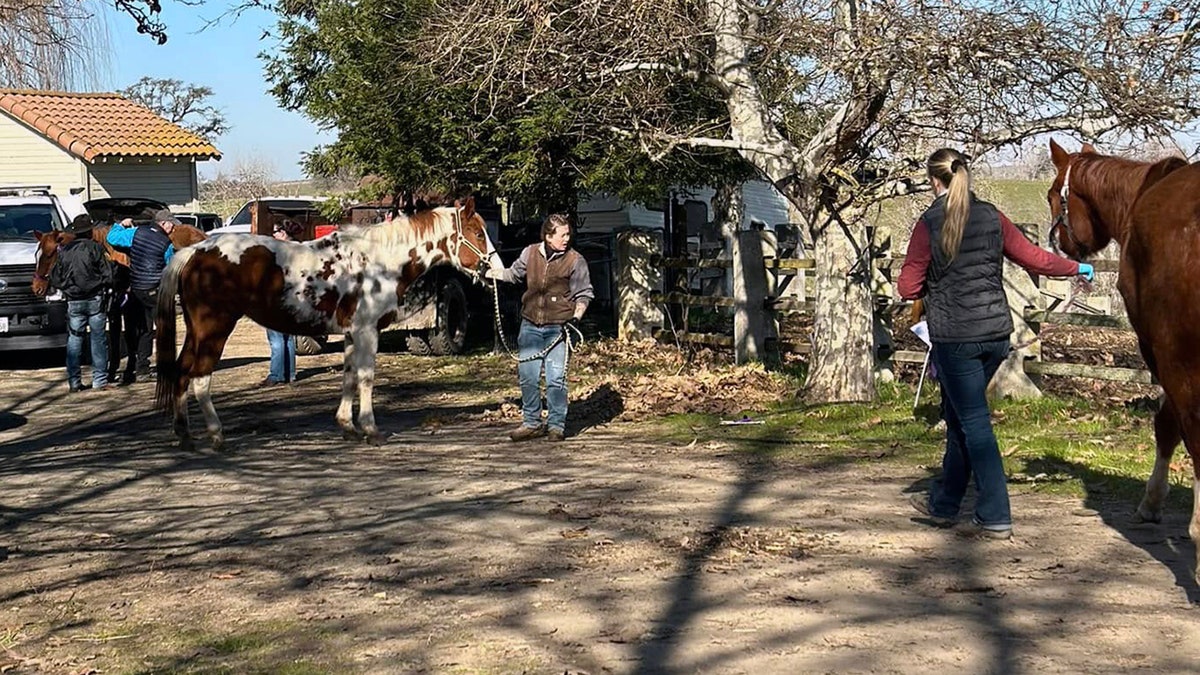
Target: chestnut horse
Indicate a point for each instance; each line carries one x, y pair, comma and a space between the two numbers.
50, 243
350, 281
1152, 210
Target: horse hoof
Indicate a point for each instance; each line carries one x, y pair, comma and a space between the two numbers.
1145, 515
186, 444
377, 438
351, 435
218, 443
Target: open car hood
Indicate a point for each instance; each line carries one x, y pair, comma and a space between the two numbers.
115, 209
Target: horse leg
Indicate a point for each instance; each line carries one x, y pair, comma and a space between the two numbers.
345, 411
185, 361
364, 357
1166, 438
207, 349
201, 388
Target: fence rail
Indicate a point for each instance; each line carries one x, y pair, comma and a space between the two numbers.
779, 271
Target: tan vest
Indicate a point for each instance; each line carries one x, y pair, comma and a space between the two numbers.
547, 294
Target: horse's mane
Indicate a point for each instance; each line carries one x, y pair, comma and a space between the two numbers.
404, 232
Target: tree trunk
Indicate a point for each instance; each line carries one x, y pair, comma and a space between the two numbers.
842, 364
842, 360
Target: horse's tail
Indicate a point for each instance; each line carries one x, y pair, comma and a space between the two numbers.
167, 389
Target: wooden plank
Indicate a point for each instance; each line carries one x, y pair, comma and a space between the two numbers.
692, 300
1093, 372
790, 305
709, 339
710, 263
726, 341
907, 356
1074, 319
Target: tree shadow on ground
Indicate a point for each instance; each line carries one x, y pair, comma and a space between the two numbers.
601, 407
1160, 540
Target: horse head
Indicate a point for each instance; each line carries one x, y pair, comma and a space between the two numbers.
49, 244
474, 247
1074, 227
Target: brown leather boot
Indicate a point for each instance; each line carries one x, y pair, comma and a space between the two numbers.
524, 433
555, 435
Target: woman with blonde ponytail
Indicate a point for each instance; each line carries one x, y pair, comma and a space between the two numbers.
955, 262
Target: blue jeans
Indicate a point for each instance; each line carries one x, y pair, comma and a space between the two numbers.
530, 341
964, 371
81, 316
283, 356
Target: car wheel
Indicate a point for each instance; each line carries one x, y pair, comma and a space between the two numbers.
451, 331
418, 344
307, 345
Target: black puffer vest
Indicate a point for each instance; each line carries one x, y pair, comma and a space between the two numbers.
964, 299
146, 262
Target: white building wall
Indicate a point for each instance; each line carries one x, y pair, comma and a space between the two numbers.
167, 180
602, 213
28, 158
763, 204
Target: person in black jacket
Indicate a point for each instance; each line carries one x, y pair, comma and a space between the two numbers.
150, 249
84, 276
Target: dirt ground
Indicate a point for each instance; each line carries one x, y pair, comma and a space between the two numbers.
451, 550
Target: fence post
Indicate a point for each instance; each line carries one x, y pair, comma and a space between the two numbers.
1010, 380
637, 278
752, 321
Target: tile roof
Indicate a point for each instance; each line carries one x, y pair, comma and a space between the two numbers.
98, 125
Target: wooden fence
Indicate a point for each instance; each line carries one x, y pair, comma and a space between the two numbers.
646, 300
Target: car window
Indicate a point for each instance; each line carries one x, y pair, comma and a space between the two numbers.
187, 220
19, 221
243, 216
209, 222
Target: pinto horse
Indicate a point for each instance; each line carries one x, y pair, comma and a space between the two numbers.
351, 281
1152, 210
50, 243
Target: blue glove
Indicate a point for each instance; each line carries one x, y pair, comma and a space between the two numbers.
1087, 272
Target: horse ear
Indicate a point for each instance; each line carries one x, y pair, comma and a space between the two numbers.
38, 235
1059, 156
469, 207
1088, 149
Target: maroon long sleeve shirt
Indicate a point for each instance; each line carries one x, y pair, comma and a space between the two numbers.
1017, 248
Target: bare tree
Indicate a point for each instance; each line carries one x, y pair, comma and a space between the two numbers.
836, 102
51, 44
179, 103
248, 179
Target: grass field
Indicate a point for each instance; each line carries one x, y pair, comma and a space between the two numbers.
1057, 445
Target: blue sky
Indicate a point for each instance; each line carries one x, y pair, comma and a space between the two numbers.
225, 59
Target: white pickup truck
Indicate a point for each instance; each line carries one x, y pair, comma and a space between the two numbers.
28, 321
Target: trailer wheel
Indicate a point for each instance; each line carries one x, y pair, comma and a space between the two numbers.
307, 345
450, 334
417, 344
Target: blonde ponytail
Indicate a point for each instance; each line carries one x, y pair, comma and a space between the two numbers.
950, 167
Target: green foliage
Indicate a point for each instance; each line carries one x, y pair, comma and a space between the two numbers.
351, 67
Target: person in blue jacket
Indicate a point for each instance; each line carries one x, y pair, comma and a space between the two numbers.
150, 249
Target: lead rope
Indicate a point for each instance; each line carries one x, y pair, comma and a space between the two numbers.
564, 336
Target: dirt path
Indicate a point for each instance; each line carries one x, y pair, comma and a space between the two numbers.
449, 550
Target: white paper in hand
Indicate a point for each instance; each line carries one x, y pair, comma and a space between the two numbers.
921, 330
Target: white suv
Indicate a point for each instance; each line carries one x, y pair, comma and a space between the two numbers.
28, 321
